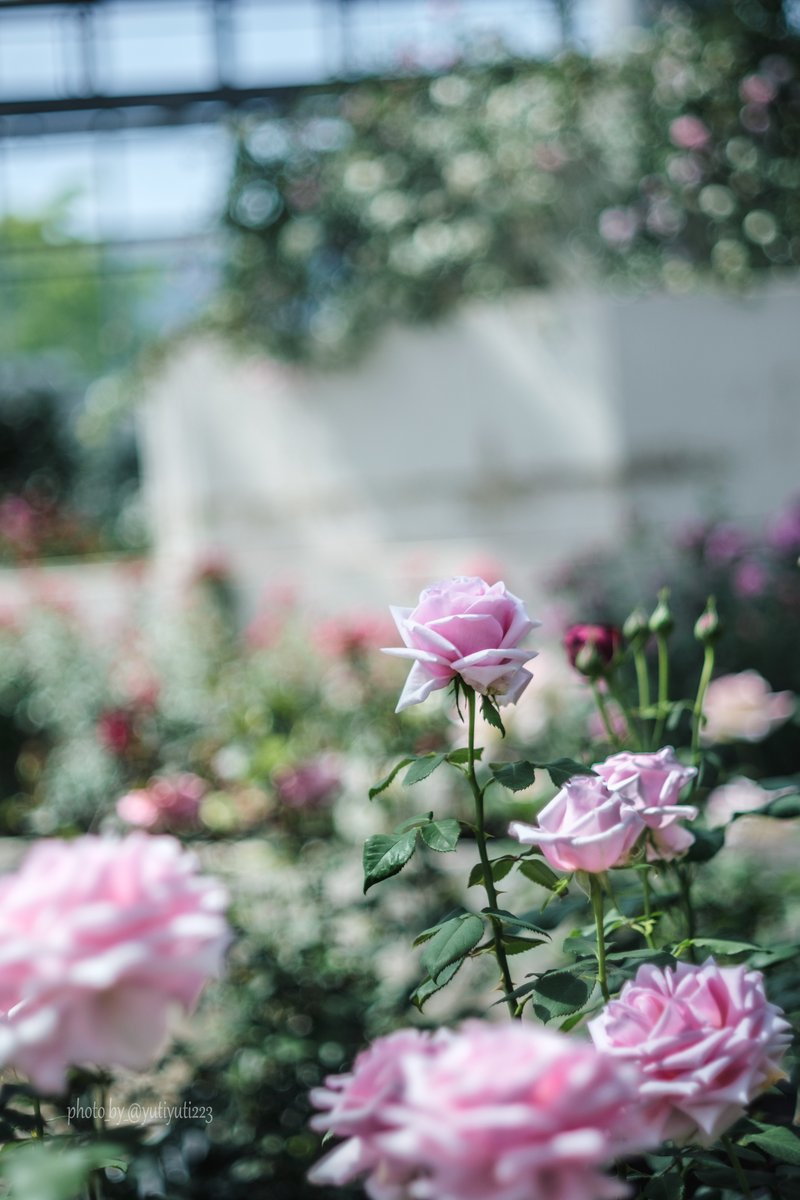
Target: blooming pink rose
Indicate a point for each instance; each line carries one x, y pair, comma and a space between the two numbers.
742, 708
488, 1112
705, 1038
464, 628
99, 940
657, 781
588, 826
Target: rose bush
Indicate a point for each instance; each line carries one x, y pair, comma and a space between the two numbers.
705, 1038
464, 628
99, 940
487, 1112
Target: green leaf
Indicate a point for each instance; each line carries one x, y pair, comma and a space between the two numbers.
721, 946
562, 769
460, 757
518, 945
453, 942
421, 768
539, 872
707, 843
415, 822
491, 715
386, 854
664, 1187
516, 776
783, 807
500, 867
429, 986
388, 779
508, 918
778, 1141
559, 994
441, 835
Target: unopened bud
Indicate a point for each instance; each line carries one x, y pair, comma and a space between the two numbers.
661, 620
592, 649
708, 627
636, 628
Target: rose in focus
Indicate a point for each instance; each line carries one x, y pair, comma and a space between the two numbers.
100, 939
487, 1112
587, 826
657, 780
464, 628
705, 1039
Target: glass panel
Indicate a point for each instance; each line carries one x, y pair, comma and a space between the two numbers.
161, 46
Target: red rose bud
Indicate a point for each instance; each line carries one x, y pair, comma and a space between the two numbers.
591, 649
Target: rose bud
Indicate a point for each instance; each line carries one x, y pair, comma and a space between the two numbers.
592, 649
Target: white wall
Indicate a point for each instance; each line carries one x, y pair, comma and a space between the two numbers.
524, 432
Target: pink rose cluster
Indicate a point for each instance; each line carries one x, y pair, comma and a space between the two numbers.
100, 940
597, 821
167, 803
485, 1112
705, 1039
464, 628
308, 785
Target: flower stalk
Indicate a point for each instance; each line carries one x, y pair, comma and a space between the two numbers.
480, 838
596, 891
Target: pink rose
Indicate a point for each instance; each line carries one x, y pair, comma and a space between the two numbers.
656, 783
488, 1112
586, 827
99, 941
742, 708
705, 1038
464, 628
167, 803
311, 784
739, 795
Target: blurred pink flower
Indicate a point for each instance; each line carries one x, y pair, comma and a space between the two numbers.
587, 826
597, 730
742, 708
488, 1112
618, 226
739, 795
750, 579
310, 784
464, 628
167, 803
689, 133
758, 89
705, 1038
100, 939
115, 729
353, 635
657, 780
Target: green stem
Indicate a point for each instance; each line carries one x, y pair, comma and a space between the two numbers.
697, 711
663, 686
643, 686
737, 1167
488, 882
625, 708
597, 907
647, 908
37, 1113
602, 708
684, 883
